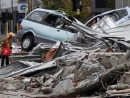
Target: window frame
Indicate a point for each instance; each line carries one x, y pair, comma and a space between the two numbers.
28, 17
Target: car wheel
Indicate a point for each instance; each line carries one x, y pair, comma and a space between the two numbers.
27, 43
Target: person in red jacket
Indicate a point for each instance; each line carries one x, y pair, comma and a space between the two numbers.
6, 44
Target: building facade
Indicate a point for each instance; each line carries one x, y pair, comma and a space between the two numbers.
7, 4
14, 11
98, 6
122, 3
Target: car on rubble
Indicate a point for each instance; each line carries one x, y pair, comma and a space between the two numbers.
119, 16
42, 25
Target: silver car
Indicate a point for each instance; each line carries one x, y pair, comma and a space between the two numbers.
42, 25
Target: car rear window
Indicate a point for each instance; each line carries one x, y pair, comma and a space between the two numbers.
37, 16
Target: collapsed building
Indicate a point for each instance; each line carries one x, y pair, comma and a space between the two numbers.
90, 64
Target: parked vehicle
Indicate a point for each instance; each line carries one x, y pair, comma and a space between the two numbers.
42, 25
118, 15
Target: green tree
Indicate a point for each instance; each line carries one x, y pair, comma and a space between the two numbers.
85, 10
83, 14
53, 4
110, 4
66, 6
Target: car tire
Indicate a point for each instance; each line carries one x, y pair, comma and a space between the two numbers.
27, 43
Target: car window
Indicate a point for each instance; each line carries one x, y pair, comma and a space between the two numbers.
56, 21
37, 16
51, 20
123, 12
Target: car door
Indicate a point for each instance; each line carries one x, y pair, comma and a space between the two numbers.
62, 34
57, 34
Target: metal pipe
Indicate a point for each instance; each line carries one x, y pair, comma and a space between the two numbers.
32, 4
0, 16
12, 25
7, 28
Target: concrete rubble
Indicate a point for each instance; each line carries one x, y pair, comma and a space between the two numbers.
78, 72
92, 65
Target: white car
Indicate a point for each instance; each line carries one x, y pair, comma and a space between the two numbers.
118, 15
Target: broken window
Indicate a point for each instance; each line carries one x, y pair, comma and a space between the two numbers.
123, 13
51, 20
117, 15
55, 21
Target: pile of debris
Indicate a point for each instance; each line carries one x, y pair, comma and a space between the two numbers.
95, 63
63, 71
